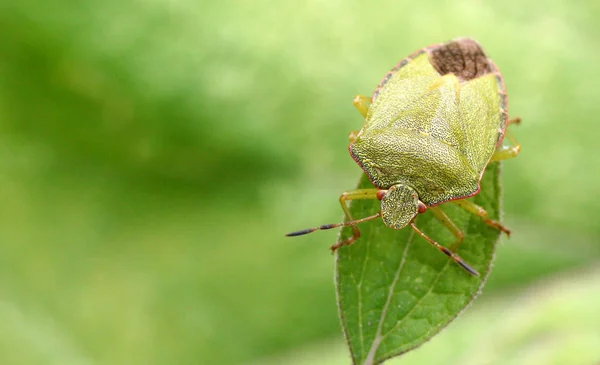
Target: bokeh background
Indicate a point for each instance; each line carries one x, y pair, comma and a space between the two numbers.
153, 154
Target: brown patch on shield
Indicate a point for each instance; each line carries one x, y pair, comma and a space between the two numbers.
462, 57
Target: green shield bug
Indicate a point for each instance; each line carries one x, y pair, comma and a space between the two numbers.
433, 124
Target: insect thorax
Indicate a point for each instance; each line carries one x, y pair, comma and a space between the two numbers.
437, 171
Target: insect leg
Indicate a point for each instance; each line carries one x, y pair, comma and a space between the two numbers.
348, 195
480, 212
361, 103
506, 152
353, 195
440, 215
446, 252
515, 120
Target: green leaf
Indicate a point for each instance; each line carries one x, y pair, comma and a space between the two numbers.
395, 290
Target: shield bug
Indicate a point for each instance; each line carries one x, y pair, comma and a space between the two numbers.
431, 127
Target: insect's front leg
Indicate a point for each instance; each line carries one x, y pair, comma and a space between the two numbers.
353, 195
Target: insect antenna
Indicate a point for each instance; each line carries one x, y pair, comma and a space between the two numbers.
334, 225
447, 252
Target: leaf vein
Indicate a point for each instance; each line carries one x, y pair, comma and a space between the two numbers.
378, 338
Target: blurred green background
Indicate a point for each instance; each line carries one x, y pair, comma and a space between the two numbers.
153, 154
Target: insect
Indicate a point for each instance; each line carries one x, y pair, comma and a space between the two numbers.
433, 124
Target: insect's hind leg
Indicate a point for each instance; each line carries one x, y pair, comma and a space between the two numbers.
353, 195
362, 103
515, 120
445, 220
506, 152
480, 212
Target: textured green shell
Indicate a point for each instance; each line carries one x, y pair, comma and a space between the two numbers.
434, 122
